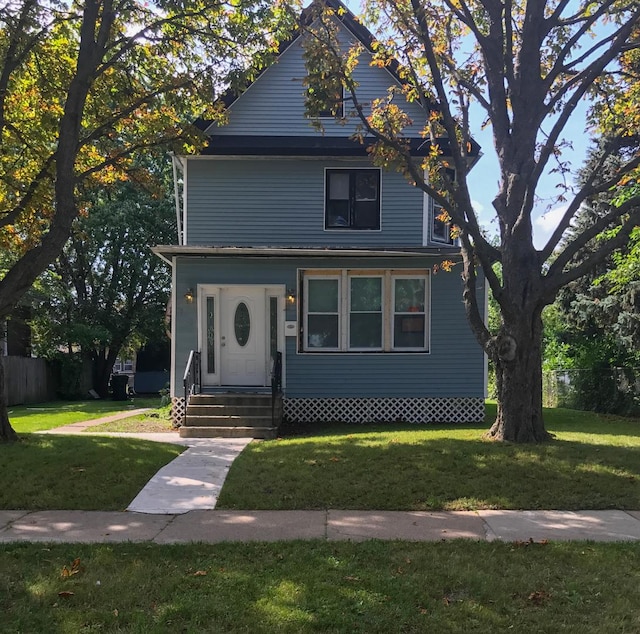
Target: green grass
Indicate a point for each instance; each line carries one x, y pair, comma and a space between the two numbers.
593, 464
156, 420
78, 472
299, 587
42, 416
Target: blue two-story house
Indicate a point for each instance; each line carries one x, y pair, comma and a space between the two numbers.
291, 241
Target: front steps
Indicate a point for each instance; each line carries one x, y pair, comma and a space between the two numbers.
232, 416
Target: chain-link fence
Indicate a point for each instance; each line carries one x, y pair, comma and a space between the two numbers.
612, 390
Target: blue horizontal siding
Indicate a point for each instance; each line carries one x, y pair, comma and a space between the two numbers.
274, 103
453, 368
281, 203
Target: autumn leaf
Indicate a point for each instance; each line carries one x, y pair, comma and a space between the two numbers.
73, 569
539, 597
65, 594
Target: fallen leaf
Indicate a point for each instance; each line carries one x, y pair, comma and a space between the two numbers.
423, 611
73, 569
200, 573
539, 597
65, 594
115, 612
350, 578
334, 459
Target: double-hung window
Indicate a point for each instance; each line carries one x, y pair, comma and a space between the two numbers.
365, 311
322, 313
352, 199
441, 225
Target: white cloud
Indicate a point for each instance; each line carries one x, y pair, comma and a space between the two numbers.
545, 224
478, 207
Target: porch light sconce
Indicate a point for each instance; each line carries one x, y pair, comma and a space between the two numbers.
188, 296
291, 296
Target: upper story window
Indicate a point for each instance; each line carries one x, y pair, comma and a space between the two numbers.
440, 226
352, 199
440, 223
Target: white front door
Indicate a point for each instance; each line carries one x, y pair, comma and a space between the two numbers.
243, 344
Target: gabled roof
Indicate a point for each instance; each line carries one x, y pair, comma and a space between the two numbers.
314, 146
308, 15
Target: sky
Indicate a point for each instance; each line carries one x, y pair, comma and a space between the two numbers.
483, 179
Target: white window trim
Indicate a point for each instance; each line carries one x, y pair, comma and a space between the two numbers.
425, 313
344, 310
448, 241
347, 286
342, 168
306, 346
429, 218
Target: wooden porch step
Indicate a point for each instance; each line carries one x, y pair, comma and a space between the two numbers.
228, 432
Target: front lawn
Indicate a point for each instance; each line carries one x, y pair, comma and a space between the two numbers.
42, 416
299, 587
154, 421
78, 472
593, 464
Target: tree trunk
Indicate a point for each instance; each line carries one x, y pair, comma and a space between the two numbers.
7, 433
518, 360
102, 368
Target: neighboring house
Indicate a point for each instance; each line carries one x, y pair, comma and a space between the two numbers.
291, 241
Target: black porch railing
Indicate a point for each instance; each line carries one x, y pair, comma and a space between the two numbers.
192, 380
276, 384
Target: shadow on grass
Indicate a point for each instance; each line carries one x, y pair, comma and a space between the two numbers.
556, 420
75, 472
300, 587
401, 470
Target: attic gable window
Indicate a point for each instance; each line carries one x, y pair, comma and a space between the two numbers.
352, 199
335, 104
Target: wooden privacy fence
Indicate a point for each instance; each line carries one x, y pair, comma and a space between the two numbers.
27, 380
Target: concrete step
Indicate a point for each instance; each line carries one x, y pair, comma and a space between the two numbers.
230, 399
229, 410
228, 432
229, 421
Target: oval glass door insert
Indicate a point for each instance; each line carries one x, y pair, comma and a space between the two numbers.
242, 324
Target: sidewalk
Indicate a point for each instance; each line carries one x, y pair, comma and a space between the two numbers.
332, 525
178, 506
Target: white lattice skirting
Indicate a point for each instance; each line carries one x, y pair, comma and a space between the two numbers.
177, 409
372, 410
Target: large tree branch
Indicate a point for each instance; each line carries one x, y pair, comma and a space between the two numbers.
586, 79
46, 171
557, 277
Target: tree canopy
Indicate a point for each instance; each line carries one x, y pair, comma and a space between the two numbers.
527, 66
85, 85
106, 292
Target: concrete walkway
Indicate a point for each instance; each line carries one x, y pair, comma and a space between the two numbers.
178, 506
193, 480
76, 428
